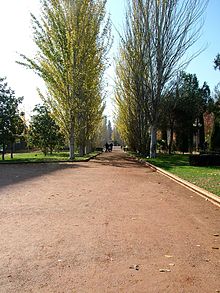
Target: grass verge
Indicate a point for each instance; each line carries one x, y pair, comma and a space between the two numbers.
38, 157
204, 177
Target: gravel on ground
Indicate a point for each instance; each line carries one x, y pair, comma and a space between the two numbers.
108, 225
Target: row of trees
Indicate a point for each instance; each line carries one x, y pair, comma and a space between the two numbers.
152, 92
73, 39
182, 113
156, 37
41, 132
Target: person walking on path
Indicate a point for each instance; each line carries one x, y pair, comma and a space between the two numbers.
111, 147
106, 147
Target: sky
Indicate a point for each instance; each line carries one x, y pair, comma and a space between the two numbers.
16, 37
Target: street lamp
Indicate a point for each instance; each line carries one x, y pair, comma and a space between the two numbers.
197, 126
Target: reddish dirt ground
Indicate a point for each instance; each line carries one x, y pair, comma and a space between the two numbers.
109, 225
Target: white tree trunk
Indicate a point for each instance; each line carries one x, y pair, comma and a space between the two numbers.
153, 141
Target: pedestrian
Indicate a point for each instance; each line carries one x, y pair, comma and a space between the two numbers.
106, 147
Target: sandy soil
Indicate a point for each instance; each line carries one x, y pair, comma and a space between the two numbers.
109, 225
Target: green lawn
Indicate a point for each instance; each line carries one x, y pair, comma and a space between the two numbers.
38, 157
205, 177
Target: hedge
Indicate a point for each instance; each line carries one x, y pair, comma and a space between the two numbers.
204, 160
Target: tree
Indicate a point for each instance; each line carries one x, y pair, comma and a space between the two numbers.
217, 62
11, 123
73, 39
164, 33
116, 137
109, 131
215, 137
44, 133
184, 104
102, 133
188, 110
131, 98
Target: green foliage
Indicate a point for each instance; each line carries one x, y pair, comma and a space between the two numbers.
204, 177
157, 36
181, 106
215, 138
44, 133
131, 94
11, 123
73, 39
204, 160
217, 62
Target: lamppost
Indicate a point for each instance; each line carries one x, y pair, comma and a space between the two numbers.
197, 126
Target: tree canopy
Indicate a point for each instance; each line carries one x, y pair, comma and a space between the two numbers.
157, 35
44, 133
11, 123
73, 39
217, 62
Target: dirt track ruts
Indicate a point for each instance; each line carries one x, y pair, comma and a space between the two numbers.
109, 225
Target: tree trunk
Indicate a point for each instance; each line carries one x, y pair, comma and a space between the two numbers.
153, 141
72, 155
3, 152
45, 151
81, 150
11, 150
170, 143
88, 147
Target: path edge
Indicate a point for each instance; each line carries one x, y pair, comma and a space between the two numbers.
200, 191
50, 162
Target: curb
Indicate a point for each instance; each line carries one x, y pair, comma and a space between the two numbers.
93, 157
49, 162
200, 191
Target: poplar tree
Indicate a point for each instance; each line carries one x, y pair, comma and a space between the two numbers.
160, 32
73, 39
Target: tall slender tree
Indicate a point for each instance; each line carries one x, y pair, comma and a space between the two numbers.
130, 95
166, 30
73, 38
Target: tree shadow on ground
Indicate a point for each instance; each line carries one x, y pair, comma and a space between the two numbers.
119, 160
16, 173
168, 162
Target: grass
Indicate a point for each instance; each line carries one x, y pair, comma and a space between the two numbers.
204, 177
38, 157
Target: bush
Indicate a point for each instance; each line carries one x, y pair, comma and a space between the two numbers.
204, 160
99, 149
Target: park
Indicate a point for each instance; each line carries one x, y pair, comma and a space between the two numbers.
111, 181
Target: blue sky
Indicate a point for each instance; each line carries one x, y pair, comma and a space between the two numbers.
15, 30
202, 66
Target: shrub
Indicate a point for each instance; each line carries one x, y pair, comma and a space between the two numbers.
204, 160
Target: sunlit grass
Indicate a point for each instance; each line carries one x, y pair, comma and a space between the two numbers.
204, 177
39, 157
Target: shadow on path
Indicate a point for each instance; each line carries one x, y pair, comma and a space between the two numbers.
15, 173
118, 159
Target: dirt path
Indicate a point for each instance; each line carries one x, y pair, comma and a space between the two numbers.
109, 225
